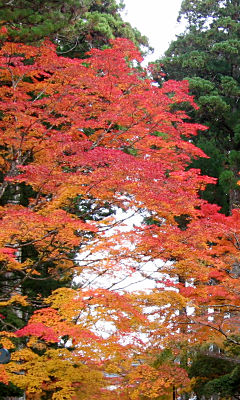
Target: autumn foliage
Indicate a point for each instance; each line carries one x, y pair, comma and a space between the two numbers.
98, 130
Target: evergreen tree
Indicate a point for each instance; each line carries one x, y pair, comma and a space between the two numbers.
215, 373
76, 26
207, 54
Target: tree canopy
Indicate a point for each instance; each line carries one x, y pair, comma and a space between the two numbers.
69, 128
75, 26
207, 55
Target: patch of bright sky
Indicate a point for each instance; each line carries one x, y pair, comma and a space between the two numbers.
156, 19
132, 276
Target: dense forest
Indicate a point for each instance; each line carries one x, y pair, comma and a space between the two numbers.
91, 141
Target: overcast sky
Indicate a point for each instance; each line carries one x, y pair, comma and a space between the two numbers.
156, 19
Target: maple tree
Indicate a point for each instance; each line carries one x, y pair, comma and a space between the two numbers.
98, 130
196, 302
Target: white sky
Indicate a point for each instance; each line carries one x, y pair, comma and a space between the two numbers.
156, 19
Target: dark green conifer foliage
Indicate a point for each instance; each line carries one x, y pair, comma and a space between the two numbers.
208, 55
215, 376
75, 25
